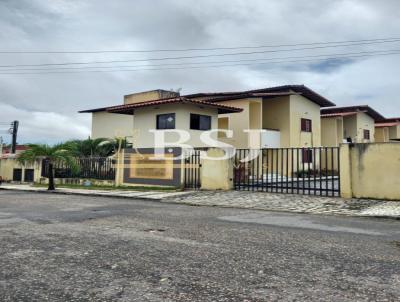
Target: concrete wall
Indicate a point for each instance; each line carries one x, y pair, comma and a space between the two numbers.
382, 134
350, 127
111, 125
276, 115
365, 122
238, 122
331, 131
394, 132
370, 170
146, 119
216, 174
7, 166
301, 107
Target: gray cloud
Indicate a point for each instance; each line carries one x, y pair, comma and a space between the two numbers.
47, 104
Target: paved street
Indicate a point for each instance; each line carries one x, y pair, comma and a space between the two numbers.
82, 248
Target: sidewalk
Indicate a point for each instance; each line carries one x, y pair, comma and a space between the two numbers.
294, 203
246, 200
153, 195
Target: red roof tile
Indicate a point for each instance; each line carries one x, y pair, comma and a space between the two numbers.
339, 114
129, 108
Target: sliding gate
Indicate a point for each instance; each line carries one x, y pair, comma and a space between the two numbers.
311, 171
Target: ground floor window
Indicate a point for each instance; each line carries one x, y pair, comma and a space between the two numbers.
367, 134
306, 125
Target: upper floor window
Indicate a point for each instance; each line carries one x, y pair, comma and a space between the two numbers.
200, 122
166, 121
306, 125
367, 134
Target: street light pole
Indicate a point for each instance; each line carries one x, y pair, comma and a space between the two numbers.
14, 131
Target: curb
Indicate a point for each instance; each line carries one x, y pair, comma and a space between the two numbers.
93, 194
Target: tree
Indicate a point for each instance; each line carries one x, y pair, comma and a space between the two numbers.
98, 147
52, 154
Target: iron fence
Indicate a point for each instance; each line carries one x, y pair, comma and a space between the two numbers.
311, 171
87, 167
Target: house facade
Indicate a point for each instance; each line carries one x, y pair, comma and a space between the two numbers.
289, 116
388, 130
109, 125
348, 124
168, 115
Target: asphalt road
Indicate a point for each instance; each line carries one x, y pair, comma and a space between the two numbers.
75, 248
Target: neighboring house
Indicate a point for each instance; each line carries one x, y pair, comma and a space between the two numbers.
387, 130
110, 125
289, 115
348, 124
18, 149
180, 113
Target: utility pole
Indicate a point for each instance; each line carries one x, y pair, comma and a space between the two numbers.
14, 132
1, 146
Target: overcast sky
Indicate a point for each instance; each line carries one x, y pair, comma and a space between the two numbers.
46, 104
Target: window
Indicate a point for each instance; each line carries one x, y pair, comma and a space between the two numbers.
200, 122
307, 156
166, 121
366, 134
306, 125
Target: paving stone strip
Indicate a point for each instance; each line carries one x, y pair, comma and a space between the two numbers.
292, 203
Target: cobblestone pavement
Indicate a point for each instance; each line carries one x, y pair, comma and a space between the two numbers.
291, 203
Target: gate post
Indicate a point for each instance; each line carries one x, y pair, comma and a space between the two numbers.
216, 174
346, 190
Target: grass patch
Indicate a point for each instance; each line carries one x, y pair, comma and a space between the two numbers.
111, 188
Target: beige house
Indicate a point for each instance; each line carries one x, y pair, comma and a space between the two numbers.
109, 125
348, 124
174, 113
289, 116
387, 130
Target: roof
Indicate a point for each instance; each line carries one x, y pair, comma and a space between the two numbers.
388, 122
17, 148
340, 114
95, 109
351, 109
225, 96
392, 119
381, 125
130, 108
279, 90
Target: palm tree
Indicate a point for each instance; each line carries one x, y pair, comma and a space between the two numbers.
98, 147
52, 154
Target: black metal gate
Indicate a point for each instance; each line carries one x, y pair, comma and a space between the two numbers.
29, 175
192, 170
17, 175
311, 171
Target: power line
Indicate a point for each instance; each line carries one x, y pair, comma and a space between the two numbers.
192, 49
207, 62
198, 56
199, 67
